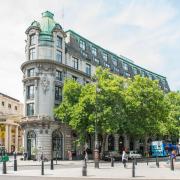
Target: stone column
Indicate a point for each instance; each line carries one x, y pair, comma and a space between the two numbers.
10, 138
116, 142
6, 137
126, 141
16, 139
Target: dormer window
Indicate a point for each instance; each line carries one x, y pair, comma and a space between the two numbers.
82, 45
32, 39
59, 42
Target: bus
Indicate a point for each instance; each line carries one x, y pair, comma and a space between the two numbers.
162, 148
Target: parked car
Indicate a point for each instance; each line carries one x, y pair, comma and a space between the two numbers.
107, 156
134, 154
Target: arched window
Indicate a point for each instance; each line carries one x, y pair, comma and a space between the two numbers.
31, 143
57, 144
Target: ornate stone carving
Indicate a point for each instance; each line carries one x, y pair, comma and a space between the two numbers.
45, 83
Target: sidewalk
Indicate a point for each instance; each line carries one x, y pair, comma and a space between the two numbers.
74, 169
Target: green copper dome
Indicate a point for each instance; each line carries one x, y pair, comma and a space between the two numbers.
47, 23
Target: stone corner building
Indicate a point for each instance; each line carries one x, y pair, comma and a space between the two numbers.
53, 55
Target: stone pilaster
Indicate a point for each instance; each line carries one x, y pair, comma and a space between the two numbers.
126, 141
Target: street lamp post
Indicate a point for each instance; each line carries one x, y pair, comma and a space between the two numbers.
96, 150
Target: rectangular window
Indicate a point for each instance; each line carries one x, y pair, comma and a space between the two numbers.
75, 63
58, 93
9, 106
59, 56
30, 109
58, 75
30, 92
114, 60
32, 39
32, 54
74, 78
82, 45
125, 66
31, 72
88, 69
105, 56
97, 60
15, 107
106, 65
127, 74
2, 103
142, 73
94, 51
135, 71
59, 42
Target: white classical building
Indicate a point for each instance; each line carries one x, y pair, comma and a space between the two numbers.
11, 112
53, 55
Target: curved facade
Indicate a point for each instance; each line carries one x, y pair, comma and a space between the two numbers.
53, 55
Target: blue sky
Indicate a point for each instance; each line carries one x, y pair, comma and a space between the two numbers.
146, 31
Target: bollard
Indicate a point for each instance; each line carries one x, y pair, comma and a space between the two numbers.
157, 161
42, 165
84, 168
133, 168
172, 164
4, 170
135, 161
85, 162
147, 160
15, 162
112, 162
52, 165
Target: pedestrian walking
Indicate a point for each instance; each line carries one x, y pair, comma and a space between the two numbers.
124, 158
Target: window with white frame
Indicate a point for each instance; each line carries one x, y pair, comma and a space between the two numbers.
105, 56
59, 42
97, 60
32, 54
125, 66
114, 60
94, 51
88, 69
58, 75
30, 92
32, 39
59, 56
58, 93
82, 45
142, 73
30, 109
31, 72
75, 62
135, 70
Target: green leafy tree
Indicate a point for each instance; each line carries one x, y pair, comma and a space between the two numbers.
173, 124
101, 102
146, 109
